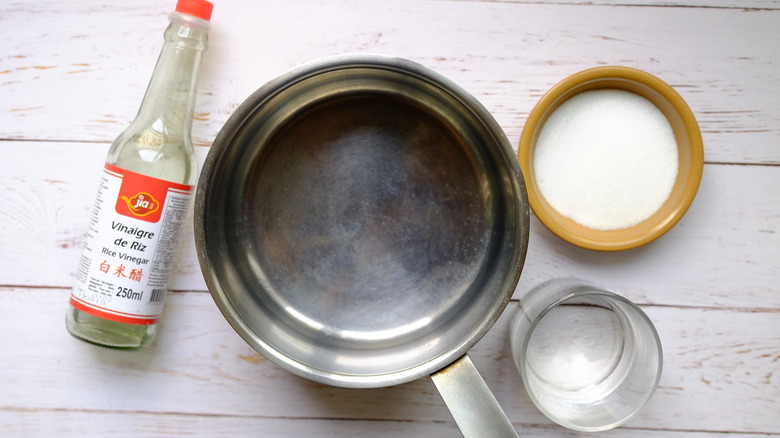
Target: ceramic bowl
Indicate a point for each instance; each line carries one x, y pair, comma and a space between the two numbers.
689, 146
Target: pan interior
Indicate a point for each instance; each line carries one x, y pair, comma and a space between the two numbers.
366, 233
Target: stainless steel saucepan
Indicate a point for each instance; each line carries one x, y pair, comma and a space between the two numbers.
362, 221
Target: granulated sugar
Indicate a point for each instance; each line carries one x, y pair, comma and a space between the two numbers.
606, 159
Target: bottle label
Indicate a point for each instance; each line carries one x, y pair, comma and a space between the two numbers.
130, 246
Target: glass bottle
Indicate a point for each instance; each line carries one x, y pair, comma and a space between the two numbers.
143, 198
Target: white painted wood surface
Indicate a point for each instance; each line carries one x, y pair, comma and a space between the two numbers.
72, 75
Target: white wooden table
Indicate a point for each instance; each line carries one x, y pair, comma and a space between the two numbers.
72, 75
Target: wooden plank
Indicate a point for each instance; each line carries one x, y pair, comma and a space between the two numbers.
715, 361
752, 4
48, 207
506, 54
47, 424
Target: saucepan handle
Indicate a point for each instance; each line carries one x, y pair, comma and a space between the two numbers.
470, 401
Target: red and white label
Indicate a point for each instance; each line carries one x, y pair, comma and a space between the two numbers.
130, 246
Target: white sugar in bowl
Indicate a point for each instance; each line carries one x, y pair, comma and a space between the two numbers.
612, 158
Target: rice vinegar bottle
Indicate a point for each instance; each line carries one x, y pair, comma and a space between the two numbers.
143, 199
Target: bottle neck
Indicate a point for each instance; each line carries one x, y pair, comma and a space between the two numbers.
169, 103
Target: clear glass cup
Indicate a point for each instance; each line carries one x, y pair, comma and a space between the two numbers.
589, 359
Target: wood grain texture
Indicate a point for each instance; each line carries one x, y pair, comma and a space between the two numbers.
747, 4
72, 76
45, 424
725, 252
506, 54
714, 361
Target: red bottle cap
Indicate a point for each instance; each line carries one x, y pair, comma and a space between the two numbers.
196, 8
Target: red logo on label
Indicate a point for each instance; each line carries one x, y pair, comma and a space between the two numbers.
143, 197
142, 204
140, 196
